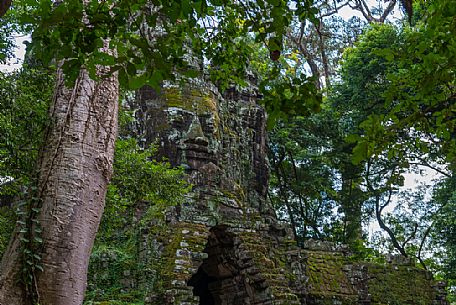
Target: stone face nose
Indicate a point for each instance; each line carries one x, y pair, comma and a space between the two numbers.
195, 133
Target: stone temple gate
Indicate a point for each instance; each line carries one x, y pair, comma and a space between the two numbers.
224, 246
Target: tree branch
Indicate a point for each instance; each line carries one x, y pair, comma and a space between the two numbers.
378, 212
4, 6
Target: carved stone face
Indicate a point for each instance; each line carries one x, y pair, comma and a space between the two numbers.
219, 141
185, 124
195, 134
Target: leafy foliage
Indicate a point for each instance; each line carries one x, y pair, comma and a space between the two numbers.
408, 81
154, 32
420, 93
444, 233
158, 40
24, 99
6, 41
139, 179
141, 191
393, 117
303, 177
7, 220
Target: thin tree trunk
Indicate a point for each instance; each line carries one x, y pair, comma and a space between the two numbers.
352, 207
74, 170
281, 178
324, 57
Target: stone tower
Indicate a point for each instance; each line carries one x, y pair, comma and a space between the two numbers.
224, 246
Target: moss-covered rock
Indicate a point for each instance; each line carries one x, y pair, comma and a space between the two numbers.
396, 284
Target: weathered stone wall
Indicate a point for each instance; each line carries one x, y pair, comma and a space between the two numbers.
224, 246
335, 278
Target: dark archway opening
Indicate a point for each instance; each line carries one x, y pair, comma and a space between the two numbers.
218, 279
200, 282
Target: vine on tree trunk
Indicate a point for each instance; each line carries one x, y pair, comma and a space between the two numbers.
30, 237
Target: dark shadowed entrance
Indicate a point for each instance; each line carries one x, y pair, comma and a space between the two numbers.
220, 280
200, 282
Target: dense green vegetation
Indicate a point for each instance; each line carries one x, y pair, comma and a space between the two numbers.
25, 97
389, 112
140, 185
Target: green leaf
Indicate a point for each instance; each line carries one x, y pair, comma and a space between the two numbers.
123, 78
137, 82
104, 59
274, 2
360, 152
131, 69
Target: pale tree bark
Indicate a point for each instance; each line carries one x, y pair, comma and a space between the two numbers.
363, 7
12, 292
74, 170
324, 56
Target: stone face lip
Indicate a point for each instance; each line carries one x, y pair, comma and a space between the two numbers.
224, 246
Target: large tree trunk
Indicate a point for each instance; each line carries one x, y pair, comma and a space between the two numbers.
12, 292
74, 170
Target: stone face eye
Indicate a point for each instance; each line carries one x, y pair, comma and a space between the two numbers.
207, 124
179, 119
